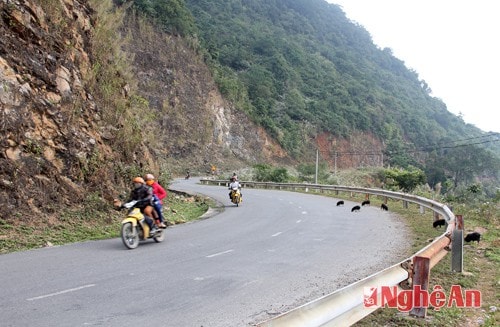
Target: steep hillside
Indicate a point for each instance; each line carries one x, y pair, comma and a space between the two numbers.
193, 125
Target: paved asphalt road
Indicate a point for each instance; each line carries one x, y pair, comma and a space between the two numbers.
276, 251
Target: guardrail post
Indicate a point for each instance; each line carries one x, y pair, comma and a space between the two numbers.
457, 245
405, 204
421, 272
422, 209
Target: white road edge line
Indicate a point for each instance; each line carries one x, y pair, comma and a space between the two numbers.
61, 292
220, 253
274, 235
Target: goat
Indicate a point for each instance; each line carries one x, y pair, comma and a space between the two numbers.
438, 223
340, 203
471, 237
366, 202
355, 208
384, 207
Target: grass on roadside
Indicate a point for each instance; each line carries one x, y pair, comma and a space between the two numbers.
182, 209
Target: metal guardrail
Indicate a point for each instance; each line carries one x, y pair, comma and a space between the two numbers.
346, 306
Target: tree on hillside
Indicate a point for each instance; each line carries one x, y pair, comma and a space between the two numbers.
404, 179
397, 151
463, 164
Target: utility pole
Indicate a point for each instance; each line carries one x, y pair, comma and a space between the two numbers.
335, 160
317, 160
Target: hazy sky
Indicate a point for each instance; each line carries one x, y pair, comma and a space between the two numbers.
452, 44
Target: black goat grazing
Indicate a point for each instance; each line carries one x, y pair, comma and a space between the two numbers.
366, 202
471, 237
384, 207
438, 223
340, 203
355, 208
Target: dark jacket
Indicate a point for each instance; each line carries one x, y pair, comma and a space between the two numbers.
144, 196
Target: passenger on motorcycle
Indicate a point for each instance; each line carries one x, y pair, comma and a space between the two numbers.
143, 194
159, 194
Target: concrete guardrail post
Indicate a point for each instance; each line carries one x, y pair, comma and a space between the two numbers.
457, 254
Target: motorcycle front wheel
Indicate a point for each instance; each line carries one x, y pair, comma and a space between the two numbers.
130, 236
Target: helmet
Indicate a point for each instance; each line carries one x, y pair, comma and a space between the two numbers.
138, 180
149, 177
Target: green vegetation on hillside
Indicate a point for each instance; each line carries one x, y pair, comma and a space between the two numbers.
303, 62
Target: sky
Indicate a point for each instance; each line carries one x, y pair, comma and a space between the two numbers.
452, 44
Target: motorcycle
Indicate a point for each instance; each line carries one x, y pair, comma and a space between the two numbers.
134, 227
236, 196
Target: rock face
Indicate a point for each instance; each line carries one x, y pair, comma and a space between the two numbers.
45, 143
55, 145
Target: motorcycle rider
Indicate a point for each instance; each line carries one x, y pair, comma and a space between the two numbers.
159, 194
234, 184
143, 194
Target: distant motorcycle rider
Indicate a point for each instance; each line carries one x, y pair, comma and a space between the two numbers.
233, 185
143, 194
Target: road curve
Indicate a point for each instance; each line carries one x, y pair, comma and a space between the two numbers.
276, 251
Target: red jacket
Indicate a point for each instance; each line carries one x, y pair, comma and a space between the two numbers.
159, 191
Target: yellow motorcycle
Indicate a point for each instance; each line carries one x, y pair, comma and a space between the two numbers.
134, 227
236, 196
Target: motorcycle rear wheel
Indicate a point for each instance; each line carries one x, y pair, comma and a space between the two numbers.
130, 236
160, 237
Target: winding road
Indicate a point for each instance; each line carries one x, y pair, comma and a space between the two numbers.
244, 265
